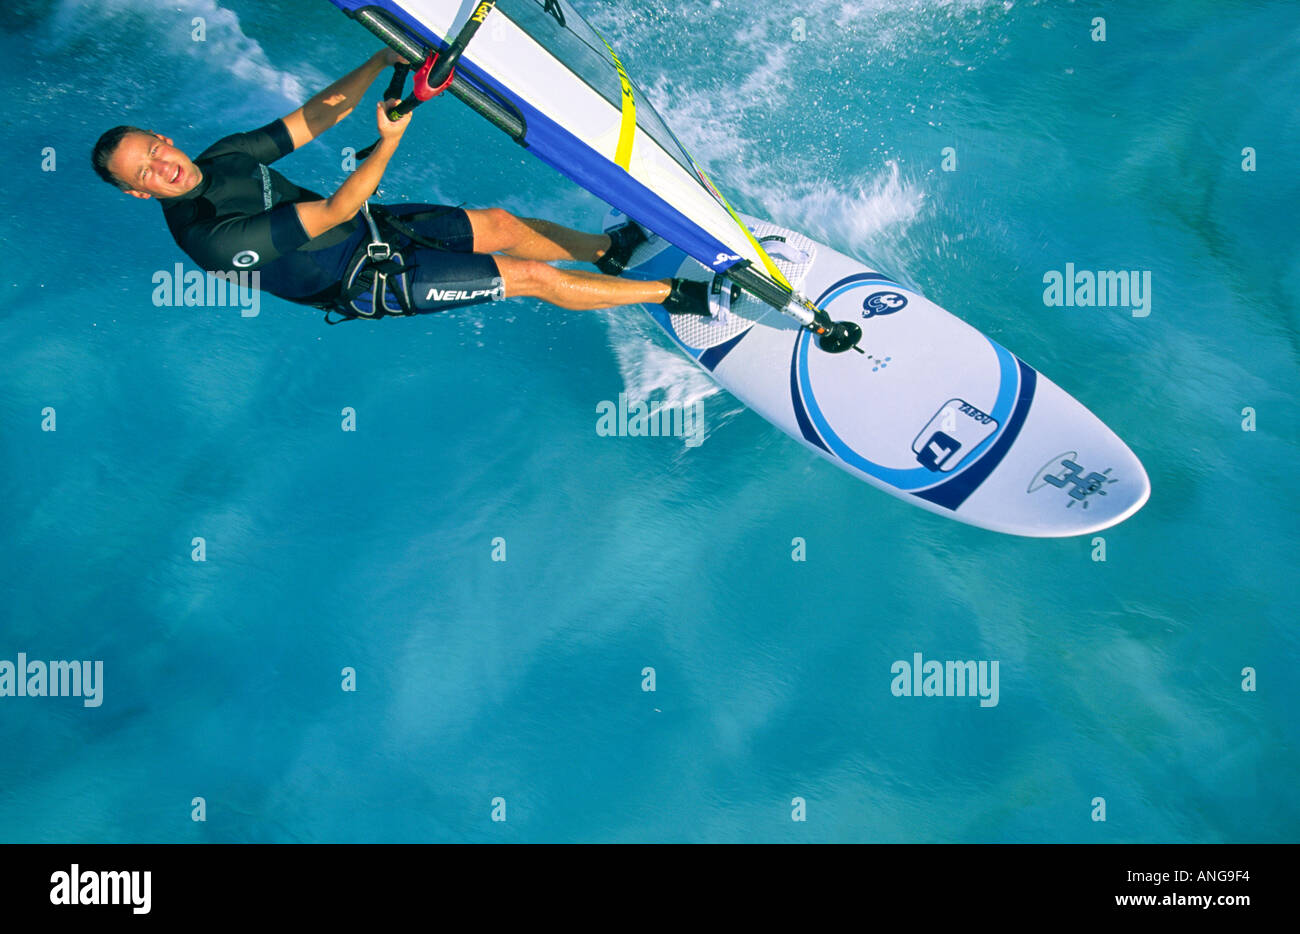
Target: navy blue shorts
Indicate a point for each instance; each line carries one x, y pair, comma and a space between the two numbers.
453, 275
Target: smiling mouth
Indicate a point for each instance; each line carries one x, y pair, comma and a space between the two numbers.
177, 176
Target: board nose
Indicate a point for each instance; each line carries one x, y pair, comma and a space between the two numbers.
1124, 498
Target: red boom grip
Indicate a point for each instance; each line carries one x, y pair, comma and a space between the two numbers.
420, 80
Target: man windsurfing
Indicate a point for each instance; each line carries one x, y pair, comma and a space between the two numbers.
229, 211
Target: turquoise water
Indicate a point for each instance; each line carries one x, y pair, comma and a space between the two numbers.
523, 679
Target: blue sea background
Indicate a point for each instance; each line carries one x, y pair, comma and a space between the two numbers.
522, 680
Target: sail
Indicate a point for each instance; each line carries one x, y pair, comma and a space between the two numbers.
583, 114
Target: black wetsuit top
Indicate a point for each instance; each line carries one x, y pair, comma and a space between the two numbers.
242, 216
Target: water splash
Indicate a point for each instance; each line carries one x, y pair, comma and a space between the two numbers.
169, 29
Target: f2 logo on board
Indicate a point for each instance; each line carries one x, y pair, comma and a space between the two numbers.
1065, 473
883, 303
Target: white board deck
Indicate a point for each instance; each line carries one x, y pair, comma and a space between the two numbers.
935, 412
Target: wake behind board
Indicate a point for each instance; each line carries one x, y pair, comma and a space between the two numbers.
934, 412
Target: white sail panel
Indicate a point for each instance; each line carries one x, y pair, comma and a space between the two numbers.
546, 62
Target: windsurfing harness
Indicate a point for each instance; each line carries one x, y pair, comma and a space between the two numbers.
378, 280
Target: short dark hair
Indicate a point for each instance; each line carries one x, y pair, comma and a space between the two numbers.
104, 150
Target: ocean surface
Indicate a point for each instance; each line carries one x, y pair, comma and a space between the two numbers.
508, 700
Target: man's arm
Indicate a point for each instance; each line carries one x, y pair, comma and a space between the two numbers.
336, 101
319, 216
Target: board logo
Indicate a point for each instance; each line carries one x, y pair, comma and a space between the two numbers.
1064, 473
245, 258
883, 303
956, 429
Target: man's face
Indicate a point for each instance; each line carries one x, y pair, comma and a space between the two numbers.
151, 166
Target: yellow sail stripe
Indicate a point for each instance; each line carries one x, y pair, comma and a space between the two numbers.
627, 130
623, 157
772, 270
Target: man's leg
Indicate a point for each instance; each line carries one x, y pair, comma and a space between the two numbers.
499, 231
577, 291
